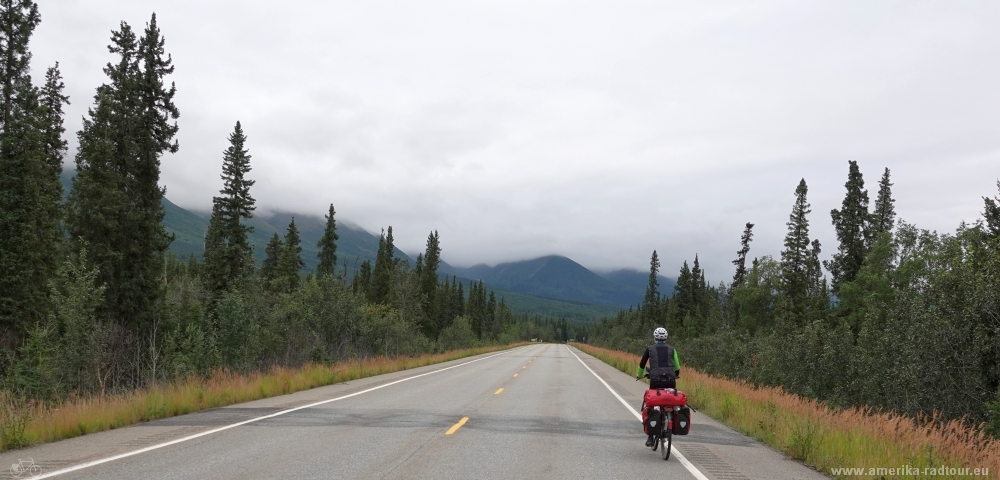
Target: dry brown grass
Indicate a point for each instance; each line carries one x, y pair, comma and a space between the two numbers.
828, 438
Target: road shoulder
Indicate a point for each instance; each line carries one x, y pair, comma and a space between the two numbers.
717, 450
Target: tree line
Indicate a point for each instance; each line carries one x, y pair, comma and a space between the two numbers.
91, 299
909, 319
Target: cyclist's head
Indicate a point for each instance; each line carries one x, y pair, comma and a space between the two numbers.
660, 333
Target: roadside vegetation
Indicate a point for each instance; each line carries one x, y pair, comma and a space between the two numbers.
908, 322
822, 436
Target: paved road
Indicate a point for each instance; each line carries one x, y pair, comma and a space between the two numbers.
540, 411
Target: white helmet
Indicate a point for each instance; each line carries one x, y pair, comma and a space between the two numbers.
660, 333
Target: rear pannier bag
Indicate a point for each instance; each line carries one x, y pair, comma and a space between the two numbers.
665, 397
651, 422
681, 421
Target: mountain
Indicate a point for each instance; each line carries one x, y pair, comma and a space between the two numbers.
639, 280
355, 244
551, 285
548, 307
559, 277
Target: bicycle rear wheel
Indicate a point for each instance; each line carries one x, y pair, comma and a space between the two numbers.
665, 442
666, 439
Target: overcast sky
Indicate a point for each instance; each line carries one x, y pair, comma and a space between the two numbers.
599, 130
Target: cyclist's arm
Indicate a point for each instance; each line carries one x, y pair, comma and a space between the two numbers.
642, 363
677, 365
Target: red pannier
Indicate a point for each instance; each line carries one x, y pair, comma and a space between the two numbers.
665, 397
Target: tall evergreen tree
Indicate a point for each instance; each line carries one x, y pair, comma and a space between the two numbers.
429, 284
816, 288
228, 253
328, 246
31, 152
883, 219
796, 257
116, 205
851, 223
18, 20
385, 266
741, 255
363, 280
459, 298
290, 260
683, 298
698, 281
51, 101
653, 286
272, 254
490, 326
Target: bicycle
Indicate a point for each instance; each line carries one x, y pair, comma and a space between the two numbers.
670, 406
19, 468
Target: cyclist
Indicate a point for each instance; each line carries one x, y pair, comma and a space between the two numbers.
664, 366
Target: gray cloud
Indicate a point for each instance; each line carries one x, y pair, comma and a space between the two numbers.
594, 129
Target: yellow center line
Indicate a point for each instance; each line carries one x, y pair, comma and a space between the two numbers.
457, 426
515, 374
525, 366
498, 391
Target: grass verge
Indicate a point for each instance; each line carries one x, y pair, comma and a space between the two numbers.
832, 439
34, 424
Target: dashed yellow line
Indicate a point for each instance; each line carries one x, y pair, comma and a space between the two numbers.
515, 374
525, 366
498, 391
457, 426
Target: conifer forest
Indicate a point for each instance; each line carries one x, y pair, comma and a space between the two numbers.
908, 322
93, 303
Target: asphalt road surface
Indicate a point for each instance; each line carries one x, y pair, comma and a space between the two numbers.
541, 411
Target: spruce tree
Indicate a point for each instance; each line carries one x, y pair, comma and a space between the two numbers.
698, 279
51, 115
883, 219
429, 284
31, 154
363, 280
851, 223
23, 269
444, 308
228, 253
290, 260
272, 253
385, 266
741, 256
653, 286
816, 288
797, 257
18, 20
328, 246
683, 297
116, 205
459, 297
490, 329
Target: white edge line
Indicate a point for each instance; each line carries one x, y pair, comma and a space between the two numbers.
684, 461
227, 427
